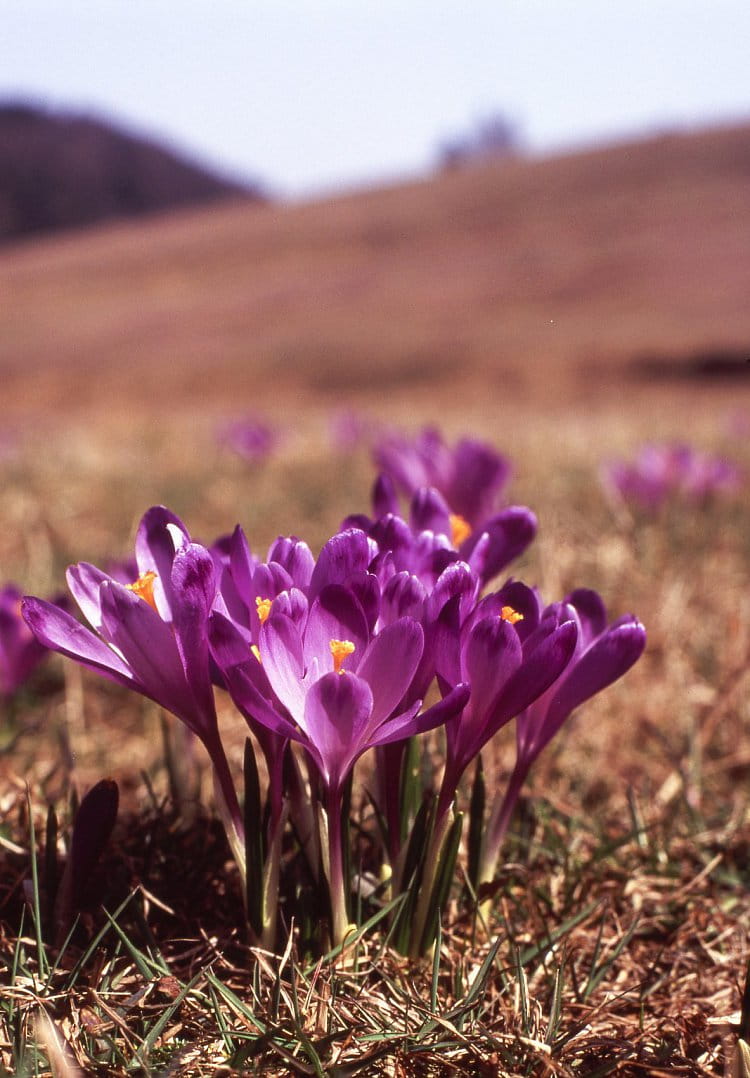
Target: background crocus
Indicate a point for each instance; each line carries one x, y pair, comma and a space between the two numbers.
471, 476
250, 437
152, 636
602, 655
661, 473
434, 536
20, 651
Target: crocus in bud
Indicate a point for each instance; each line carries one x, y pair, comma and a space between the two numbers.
603, 653
508, 655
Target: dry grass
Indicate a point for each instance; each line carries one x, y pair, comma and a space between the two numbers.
625, 890
618, 938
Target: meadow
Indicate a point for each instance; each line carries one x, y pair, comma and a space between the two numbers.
509, 304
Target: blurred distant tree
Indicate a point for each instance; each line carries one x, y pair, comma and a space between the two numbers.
492, 138
61, 170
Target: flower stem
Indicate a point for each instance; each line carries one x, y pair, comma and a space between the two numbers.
497, 825
226, 802
336, 882
443, 822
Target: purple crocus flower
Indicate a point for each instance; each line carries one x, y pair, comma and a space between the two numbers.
20, 651
250, 438
509, 654
332, 684
350, 428
661, 473
151, 635
602, 655
435, 537
471, 476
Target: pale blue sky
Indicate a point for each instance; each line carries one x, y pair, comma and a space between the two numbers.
311, 96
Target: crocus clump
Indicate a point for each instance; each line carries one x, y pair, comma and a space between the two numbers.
20, 651
392, 631
660, 474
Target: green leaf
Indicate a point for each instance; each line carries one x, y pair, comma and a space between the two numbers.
442, 884
476, 824
254, 841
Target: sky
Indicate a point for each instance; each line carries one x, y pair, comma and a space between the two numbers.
314, 96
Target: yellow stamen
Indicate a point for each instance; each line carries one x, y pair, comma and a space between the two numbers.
256, 652
340, 649
144, 588
460, 529
511, 615
263, 607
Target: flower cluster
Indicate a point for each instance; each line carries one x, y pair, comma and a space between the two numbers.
661, 473
388, 633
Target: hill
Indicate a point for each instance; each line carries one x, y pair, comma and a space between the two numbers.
554, 278
61, 171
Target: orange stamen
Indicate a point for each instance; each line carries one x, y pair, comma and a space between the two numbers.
144, 588
340, 649
460, 529
511, 615
263, 607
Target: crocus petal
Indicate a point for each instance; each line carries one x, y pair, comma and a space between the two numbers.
56, 629
281, 650
510, 532
230, 645
242, 564
403, 595
606, 660
398, 728
148, 646
84, 581
393, 534
384, 497
344, 554
445, 634
160, 533
193, 589
389, 664
430, 512
409, 722
337, 716
537, 672
458, 579
336, 614
248, 695
520, 598
293, 603
592, 613
295, 556
478, 475
492, 655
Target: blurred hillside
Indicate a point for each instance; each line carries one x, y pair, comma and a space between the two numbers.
60, 171
553, 279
